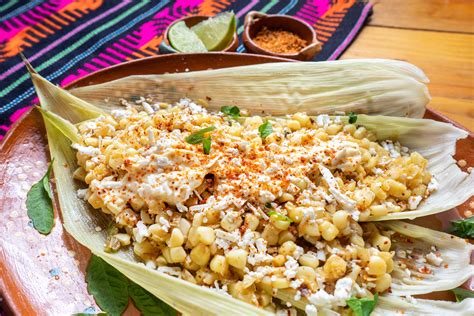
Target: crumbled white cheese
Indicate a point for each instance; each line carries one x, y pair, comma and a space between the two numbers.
291, 266
334, 188
323, 120
82, 193
433, 259
141, 232
86, 150
165, 225
321, 298
311, 310
433, 185
414, 201
343, 290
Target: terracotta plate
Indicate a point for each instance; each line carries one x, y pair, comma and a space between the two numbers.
42, 275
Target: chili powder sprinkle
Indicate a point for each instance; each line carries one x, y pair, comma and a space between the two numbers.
279, 41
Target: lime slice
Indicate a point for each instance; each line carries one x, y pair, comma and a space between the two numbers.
185, 40
216, 32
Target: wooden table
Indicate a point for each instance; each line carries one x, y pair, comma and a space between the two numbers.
435, 35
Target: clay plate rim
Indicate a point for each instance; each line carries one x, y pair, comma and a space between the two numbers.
30, 129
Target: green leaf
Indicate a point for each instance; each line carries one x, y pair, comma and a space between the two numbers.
464, 228
108, 286
280, 217
147, 303
88, 314
352, 118
198, 137
462, 294
265, 129
39, 204
231, 111
362, 306
206, 145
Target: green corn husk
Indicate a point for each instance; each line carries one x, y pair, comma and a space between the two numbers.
371, 86
80, 219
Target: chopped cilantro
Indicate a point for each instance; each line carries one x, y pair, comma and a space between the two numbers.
198, 137
206, 145
362, 306
279, 217
231, 111
464, 228
265, 129
352, 117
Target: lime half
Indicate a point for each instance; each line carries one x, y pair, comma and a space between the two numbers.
216, 32
185, 40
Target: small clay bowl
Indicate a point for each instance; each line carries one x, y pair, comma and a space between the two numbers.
255, 21
166, 48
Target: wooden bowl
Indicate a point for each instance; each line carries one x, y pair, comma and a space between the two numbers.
255, 21
45, 275
166, 48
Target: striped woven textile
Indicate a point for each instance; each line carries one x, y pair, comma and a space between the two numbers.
67, 39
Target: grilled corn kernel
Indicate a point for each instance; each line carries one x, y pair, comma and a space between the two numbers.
307, 274
219, 264
382, 242
284, 236
237, 258
287, 248
309, 260
177, 254
328, 231
340, 219
279, 260
335, 267
206, 235
231, 221
201, 254
280, 283
383, 282
124, 239
376, 266
176, 238
251, 221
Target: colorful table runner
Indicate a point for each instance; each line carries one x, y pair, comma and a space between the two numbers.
67, 39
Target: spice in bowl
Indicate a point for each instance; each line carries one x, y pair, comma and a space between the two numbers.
279, 41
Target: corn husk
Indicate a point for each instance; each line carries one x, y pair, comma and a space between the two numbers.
371, 86
80, 219
393, 305
455, 269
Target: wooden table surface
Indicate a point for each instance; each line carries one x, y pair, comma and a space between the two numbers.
435, 35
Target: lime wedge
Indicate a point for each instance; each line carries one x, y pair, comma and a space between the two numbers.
185, 40
216, 32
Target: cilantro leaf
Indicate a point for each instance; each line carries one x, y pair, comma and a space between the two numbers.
108, 286
464, 228
352, 117
198, 137
231, 111
147, 303
280, 217
39, 204
462, 294
265, 129
362, 306
206, 145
